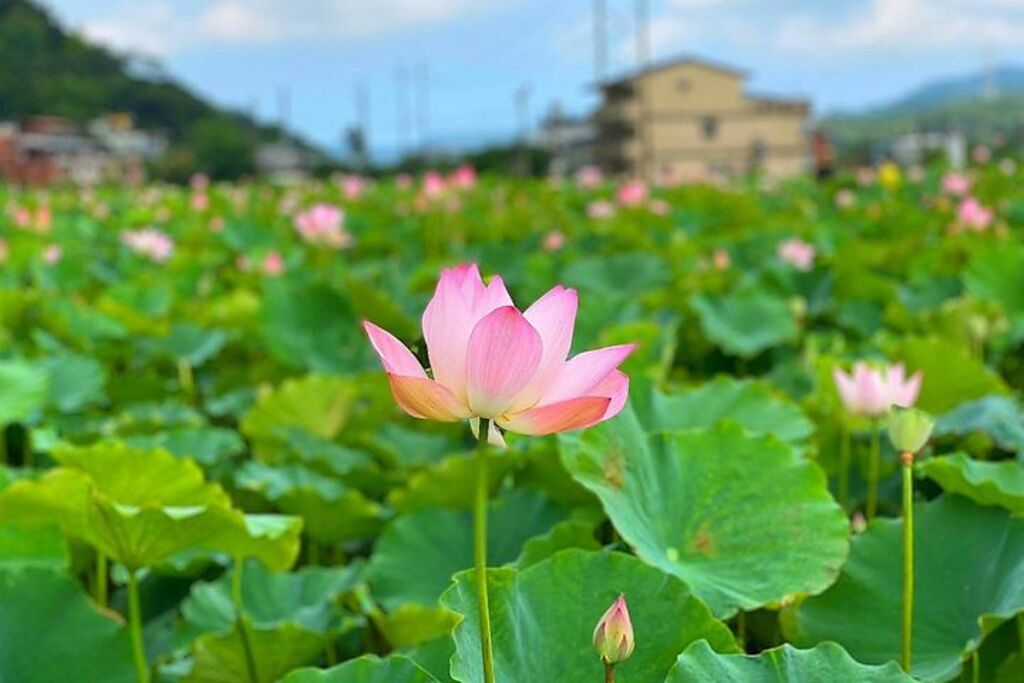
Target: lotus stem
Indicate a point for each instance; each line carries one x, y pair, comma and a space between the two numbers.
908, 557
100, 579
243, 633
874, 465
975, 667
843, 487
480, 552
135, 627
186, 378
609, 673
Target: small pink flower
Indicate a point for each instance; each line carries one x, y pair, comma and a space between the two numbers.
872, 392
956, 184
403, 181
273, 264
52, 255
633, 193
600, 209
353, 186
659, 207
149, 242
433, 184
845, 198
464, 177
721, 259
43, 220
797, 253
322, 224
981, 155
553, 241
199, 182
490, 361
22, 217
865, 176
216, 224
613, 635
972, 215
200, 201
589, 177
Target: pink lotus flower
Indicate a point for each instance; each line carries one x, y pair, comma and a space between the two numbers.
433, 184
217, 224
322, 224
52, 255
403, 181
589, 177
981, 155
633, 193
273, 264
797, 253
600, 210
613, 635
353, 186
149, 242
659, 207
721, 259
871, 392
199, 182
464, 177
553, 241
490, 361
956, 184
973, 215
200, 201
845, 198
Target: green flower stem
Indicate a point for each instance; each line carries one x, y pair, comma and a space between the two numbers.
844, 466
874, 465
609, 673
908, 557
243, 632
100, 579
186, 377
480, 552
975, 667
135, 627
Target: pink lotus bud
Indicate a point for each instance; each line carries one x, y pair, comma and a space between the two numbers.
52, 254
600, 210
554, 240
956, 184
589, 177
273, 264
464, 177
633, 193
797, 253
972, 215
613, 636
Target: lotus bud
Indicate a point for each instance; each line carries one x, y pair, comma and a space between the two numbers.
613, 636
909, 429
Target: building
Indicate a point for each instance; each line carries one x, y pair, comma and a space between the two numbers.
690, 118
569, 140
283, 162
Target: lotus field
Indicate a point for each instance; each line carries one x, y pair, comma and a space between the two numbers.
449, 428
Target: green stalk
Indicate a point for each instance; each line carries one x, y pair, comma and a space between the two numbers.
100, 580
976, 667
480, 552
908, 557
243, 633
609, 673
186, 379
844, 466
874, 465
135, 627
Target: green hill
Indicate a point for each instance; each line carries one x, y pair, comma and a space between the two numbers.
47, 70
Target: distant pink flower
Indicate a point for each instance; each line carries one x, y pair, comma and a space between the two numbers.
43, 219
797, 253
956, 184
659, 207
353, 186
589, 177
322, 224
872, 392
464, 177
200, 201
845, 198
199, 182
403, 181
273, 264
981, 155
721, 259
865, 176
632, 193
600, 209
971, 214
216, 224
52, 255
553, 241
22, 217
149, 242
490, 361
433, 184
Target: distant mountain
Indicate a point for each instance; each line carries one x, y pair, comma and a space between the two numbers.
974, 104
47, 70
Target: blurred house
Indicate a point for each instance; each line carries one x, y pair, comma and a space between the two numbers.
690, 118
569, 140
50, 149
283, 162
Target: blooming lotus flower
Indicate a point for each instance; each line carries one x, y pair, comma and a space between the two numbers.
600, 210
149, 242
871, 392
273, 264
353, 186
464, 177
613, 636
956, 184
797, 253
589, 177
973, 215
553, 241
981, 155
52, 255
633, 193
433, 184
322, 224
490, 361
200, 201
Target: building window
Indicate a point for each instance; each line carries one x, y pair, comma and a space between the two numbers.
709, 125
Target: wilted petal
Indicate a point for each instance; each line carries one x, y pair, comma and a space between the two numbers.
503, 354
394, 356
583, 372
426, 399
574, 413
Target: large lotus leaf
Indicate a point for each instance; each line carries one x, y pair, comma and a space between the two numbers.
270, 598
208, 446
752, 404
826, 663
49, 629
331, 511
571, 533
450, 483
76, 382
746, 323
319, 405
1000, 417
986, 483
439, 543
969, 577
543, 618
952, 375
192, 344
412, 624
365, 669
997, 274
44, 548
24, 389
276, 651
740, 518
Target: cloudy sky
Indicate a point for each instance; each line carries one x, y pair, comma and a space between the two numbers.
475, 54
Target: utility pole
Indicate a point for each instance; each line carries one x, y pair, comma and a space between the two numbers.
643, 57
423, 108
522, 105
600, 40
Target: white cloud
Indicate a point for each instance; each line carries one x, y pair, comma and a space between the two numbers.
909, 26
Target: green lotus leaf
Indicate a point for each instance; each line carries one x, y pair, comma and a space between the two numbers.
969, 564
192, 344
276, 651
1000, 417
986, 483
76, 382
571, 533
997, 274
48, 628
439, 543
543, 619
740, 518
209, 446
824, 664
412, 624
449, 483
43, 548
365, 669
320, 405
24, 388
745, 323
952, 375
331, 511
